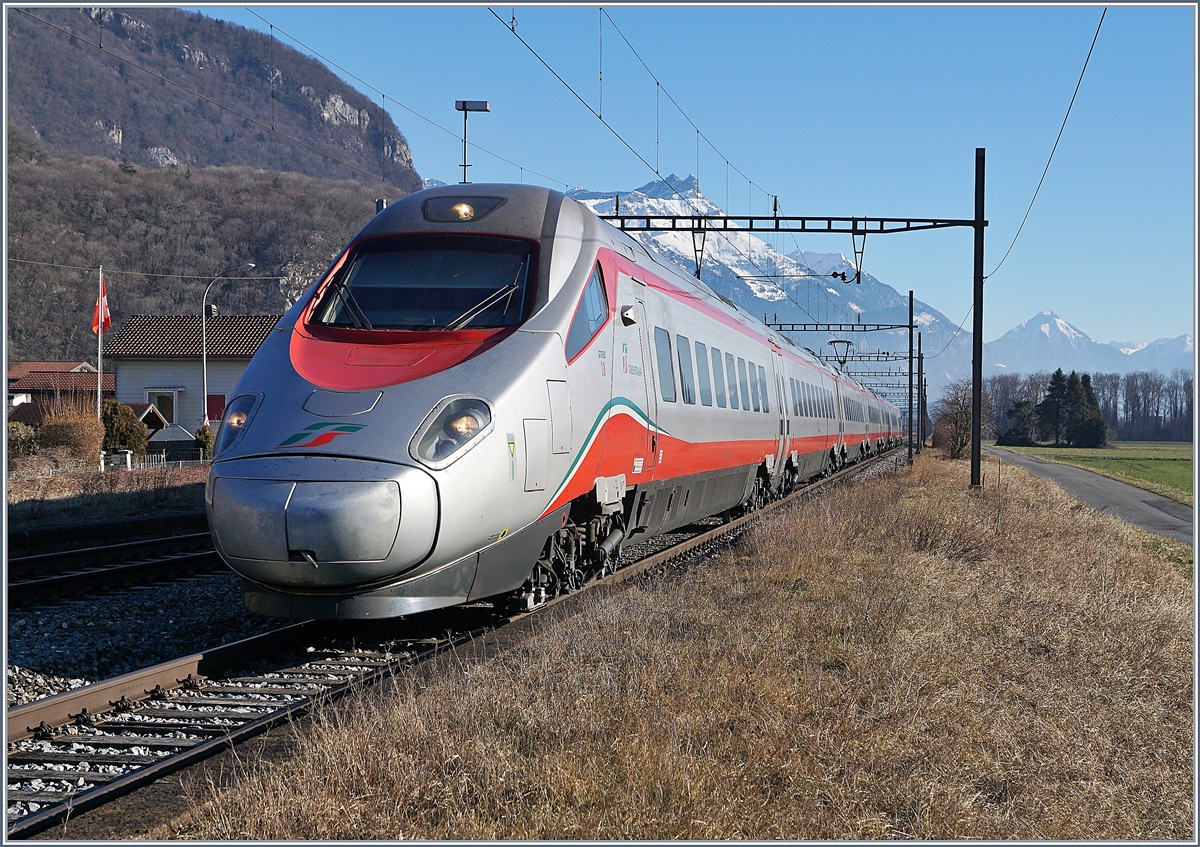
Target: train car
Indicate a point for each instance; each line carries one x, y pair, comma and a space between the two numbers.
489, 392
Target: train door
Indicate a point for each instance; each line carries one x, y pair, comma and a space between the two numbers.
630, 382
649, 371
781, 401
839, 411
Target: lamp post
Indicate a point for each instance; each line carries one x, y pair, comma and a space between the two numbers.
466, 106
204, 335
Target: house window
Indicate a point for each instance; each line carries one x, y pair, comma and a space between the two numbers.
164, 401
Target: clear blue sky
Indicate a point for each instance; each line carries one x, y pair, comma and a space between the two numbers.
838, 111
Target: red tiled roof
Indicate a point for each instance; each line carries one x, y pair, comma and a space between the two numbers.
39, 381
16, 370
178, 336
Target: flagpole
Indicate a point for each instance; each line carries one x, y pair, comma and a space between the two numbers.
100, 346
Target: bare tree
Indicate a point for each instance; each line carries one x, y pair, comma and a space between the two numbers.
952, 417
1108, 392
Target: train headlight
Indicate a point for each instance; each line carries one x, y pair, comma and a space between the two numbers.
454, 426
237, 418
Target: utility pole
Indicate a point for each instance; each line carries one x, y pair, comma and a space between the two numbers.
920, 395
977, 324
911, 420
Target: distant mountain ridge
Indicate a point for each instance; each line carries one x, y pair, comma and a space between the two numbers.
1046, 341
76, 99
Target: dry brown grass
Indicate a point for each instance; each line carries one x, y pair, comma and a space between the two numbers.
902, 660
51, 489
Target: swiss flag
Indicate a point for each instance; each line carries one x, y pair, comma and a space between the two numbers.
101, 318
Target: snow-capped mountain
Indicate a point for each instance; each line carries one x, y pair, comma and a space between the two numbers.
1046, 341
1164, 355
796, 287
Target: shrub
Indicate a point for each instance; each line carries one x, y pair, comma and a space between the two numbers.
122, 429
22, 440
205, 440
84, 435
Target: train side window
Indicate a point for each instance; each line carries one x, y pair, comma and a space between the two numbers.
828, 403
702, 374
590, 315
718, 377
686, 381
743, 386
666, 368
762, 389
813, 399
792, 389
753, 384
731, 372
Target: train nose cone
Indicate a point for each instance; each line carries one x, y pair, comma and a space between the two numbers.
322, 533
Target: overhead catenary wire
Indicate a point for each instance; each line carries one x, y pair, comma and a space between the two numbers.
1055, 147
641, 158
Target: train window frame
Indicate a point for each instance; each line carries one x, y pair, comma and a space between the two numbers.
703, 380
718, 376
666, 370
762, 389
731, 380
753, 380
594, 285
687, 379
316, 315
743, 385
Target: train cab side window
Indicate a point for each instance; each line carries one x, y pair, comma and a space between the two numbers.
590, 315
718, 377
686, 380
753, 384
666, 368
762, 389
731, 372
702, 374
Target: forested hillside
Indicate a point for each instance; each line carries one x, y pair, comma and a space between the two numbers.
151, 228
119, 84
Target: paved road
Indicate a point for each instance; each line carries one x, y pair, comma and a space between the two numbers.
1142, 508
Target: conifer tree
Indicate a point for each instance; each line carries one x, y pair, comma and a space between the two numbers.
1051, 412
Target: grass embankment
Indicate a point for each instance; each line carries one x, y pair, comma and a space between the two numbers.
1164, 467
899, 659
44, 492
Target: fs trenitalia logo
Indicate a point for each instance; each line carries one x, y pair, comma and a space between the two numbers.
318, 435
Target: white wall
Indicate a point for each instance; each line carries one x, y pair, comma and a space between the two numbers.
134, 376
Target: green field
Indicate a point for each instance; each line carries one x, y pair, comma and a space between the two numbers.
1164, 467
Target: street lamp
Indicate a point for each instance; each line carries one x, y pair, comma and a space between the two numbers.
204, 333
465, 106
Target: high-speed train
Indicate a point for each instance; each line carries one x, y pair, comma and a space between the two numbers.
487, 393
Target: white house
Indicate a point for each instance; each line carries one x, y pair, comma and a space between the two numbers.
156, 360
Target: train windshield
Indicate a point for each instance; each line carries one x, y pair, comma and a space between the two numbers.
431, 283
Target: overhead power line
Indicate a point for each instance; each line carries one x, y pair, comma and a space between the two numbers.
1056, 140
82, 40
130, 273
654, 170
413, 111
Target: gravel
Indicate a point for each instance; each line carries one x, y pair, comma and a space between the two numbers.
77, 641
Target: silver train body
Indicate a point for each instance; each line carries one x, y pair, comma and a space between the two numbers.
487, 394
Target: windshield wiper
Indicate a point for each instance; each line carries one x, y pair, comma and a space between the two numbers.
361, 321
478, 309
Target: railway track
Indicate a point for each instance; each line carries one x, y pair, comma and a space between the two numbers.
48, 575
81, 749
